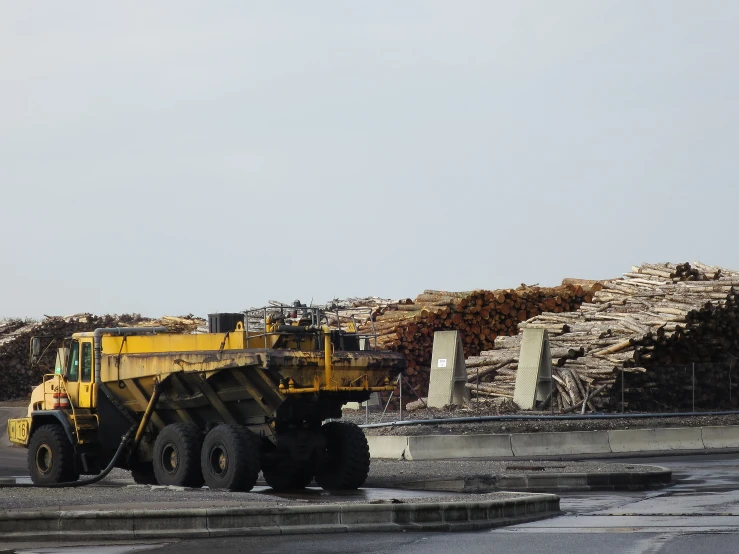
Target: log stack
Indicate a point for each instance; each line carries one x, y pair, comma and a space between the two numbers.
482, 316
18, 377
645, 330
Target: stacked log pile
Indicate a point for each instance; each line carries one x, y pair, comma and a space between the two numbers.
482, 316
643, 330
339, 313
18, 377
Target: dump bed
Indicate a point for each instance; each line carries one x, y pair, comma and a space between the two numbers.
220, 376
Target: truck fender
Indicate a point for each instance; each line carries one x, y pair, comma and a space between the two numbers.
45, 417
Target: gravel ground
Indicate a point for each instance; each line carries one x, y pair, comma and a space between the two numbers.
523, 426
118, 491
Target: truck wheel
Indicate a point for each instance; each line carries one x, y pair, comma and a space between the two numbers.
347, 461
176, 453
143, 474
51, 456
289, 475
230, 458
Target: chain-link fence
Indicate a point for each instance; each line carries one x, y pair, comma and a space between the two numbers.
678, 387
691, 387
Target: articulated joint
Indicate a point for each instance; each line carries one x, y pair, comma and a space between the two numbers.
145, 418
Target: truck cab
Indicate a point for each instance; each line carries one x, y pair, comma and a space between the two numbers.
61, 423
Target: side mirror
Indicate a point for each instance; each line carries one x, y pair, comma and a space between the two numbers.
35, 349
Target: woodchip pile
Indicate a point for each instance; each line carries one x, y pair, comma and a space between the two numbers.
482, 316
18, 377
648, 325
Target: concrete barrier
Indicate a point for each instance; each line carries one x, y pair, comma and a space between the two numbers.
387, 446
571, 442
721, 437
641, 440
439, 447
318, 518
446, 447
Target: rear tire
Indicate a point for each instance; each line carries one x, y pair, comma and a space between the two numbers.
288, 475
51, 456
176, 456
347, 460
230, 458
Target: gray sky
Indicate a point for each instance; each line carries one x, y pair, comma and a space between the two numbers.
177, 157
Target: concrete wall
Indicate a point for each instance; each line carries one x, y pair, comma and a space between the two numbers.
440, 447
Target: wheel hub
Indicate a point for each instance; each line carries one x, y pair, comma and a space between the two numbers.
218, 460
170, 458
44, 459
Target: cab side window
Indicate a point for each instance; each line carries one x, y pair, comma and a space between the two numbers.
73, 366
86, 362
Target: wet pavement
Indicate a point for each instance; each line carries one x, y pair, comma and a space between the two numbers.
697, 515
13, 461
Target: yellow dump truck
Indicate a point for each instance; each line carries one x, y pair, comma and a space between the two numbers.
217, 408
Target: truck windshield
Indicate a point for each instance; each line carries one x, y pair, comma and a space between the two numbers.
73, 369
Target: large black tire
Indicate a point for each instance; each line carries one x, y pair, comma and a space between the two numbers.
230, 458
177, 456
51, 456
143, 474
288, 475
347, 460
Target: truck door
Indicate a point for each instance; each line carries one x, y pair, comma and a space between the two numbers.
87, 375
72, 377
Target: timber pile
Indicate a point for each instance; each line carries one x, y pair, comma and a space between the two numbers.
644, 328
482, 316
17, 377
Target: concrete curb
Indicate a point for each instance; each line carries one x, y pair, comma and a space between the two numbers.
547, 482
429, 447
661, 439
323, 518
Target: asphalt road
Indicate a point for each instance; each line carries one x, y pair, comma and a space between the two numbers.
698, 515
13, 461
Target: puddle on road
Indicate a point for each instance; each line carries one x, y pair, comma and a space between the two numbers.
25, 480
316, 494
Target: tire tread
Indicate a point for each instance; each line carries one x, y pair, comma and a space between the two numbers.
65, 471
192, 440
350, 466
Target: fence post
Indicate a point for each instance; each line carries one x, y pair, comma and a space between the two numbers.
400, 398
623, 388
693, 387
731, 365
551, 391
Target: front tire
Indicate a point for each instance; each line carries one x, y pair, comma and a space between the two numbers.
51, 457
176, 456
347, 459
230, 458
